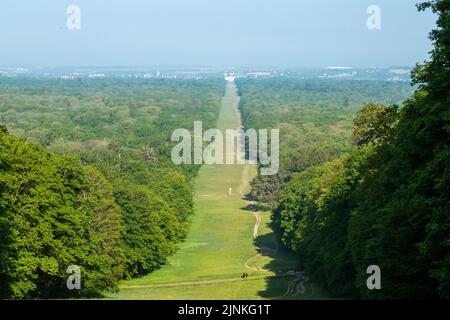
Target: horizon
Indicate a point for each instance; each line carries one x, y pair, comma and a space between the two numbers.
391, 73
224, 34
188, 66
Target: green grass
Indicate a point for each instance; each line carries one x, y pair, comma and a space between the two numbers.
252, 289
220, 241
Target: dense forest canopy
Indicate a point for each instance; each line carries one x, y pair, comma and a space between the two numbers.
85, 114
104, 194
386, 202
86, 177
315, 118
54, 213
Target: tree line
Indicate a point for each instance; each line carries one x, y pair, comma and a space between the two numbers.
314, 118
386, 202
86, 179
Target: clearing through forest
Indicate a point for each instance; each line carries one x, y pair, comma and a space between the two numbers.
224, 242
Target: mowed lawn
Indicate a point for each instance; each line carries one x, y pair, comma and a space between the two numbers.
210, 262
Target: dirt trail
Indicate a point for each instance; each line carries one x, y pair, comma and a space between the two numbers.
256, 264
252, 263
258, 223
244, 183
245, 180
297, 286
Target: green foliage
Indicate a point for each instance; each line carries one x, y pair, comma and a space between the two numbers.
412, 209
127, 115
145, 243
51, 216
312, 217
314, 118
388, 202
375, 123
124, 213
106, 225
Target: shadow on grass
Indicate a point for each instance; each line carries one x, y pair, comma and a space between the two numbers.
255, 207
282, 262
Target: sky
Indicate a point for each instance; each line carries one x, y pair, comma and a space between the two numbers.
219, 33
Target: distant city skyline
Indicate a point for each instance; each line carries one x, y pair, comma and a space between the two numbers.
219, 33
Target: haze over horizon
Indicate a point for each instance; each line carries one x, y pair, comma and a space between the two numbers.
232, 33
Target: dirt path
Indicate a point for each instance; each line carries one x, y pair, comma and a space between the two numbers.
197, 264
244, 183
297, 285
252, 263
258, 223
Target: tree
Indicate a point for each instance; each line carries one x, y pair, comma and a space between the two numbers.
49, 220
388, 203
106, 228
146, 218
375, 123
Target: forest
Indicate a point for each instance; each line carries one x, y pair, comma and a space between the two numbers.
314, 116
384, 201
86, 179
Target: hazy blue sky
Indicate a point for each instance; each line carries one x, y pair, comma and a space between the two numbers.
298, 33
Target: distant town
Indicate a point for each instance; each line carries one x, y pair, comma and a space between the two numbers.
332, 72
